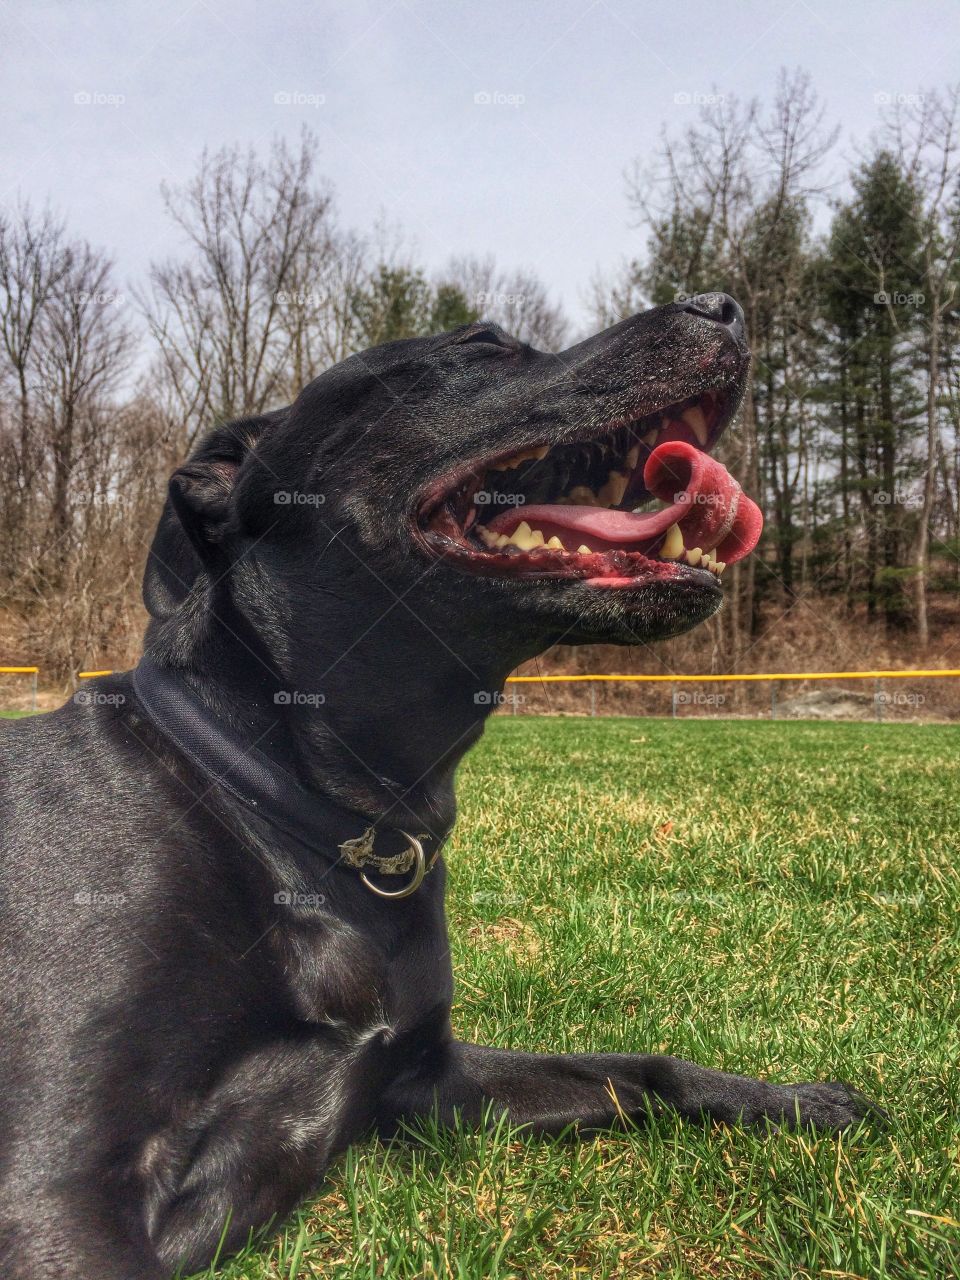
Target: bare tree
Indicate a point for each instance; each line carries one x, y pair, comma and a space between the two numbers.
517, 300
221, 319
925, 130
65, 346
317, 313
33, 260
81, 360
613, 296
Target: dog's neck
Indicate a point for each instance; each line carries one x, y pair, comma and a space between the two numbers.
374, 717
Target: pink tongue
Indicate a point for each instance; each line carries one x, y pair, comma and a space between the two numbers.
706, 502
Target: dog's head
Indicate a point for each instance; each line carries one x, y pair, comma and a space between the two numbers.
489, 486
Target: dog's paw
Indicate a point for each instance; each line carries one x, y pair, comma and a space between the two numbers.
832, 1105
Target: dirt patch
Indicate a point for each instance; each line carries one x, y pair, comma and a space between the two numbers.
508, 933
829, 704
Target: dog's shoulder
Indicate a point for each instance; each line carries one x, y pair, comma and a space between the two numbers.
53, 766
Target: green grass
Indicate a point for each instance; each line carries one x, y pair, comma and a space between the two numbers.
778, 899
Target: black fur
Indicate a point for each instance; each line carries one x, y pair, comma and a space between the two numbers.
197, 1013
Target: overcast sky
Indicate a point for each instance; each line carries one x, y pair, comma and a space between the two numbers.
477, 125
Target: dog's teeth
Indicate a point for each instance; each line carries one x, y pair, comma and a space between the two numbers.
503, 540
555, 544
672, 547
697, 423
633, 457
526, 538
525, 455
719, 566
487, 536
583, 550
611, 494
582, 496
694, 556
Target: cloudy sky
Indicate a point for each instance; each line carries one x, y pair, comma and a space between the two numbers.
477, 125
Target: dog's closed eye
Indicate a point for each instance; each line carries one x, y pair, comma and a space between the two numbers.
489, 336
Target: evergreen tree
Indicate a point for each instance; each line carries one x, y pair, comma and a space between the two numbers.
873, 304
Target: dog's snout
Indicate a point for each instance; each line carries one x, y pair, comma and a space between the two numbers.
720, 308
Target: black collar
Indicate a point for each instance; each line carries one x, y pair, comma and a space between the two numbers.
267, 790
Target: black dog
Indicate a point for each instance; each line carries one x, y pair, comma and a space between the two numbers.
223, 938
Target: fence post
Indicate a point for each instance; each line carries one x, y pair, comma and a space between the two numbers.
673, 701
773, 700
877, 699
34, 691
593, 699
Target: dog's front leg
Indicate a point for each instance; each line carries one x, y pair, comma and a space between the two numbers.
550, 1092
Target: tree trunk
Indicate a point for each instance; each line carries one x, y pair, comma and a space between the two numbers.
922, 547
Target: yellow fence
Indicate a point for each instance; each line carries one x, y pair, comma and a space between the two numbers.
772, 677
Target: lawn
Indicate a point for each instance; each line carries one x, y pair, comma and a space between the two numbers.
778, 899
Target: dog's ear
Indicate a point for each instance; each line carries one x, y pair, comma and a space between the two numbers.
195, 516
200, 494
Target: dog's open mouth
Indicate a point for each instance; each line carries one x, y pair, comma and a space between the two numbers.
574, 510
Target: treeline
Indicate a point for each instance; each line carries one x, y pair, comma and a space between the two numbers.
850, 435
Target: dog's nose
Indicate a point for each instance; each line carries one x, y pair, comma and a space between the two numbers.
720, 308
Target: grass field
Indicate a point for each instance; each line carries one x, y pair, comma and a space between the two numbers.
779, 899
